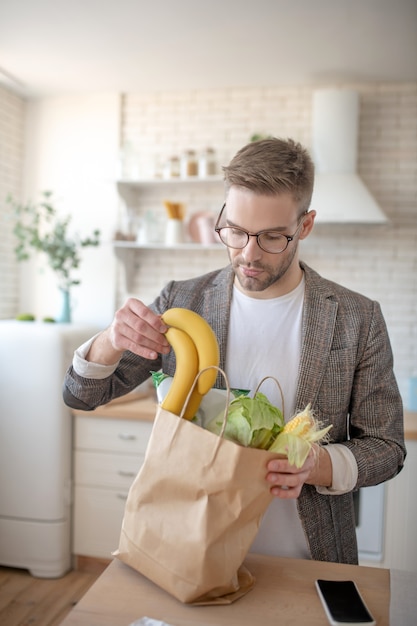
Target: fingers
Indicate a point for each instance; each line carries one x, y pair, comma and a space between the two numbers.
285, 485
138, 329
286, 493
287, 480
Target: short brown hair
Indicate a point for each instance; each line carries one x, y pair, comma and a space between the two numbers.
273, 166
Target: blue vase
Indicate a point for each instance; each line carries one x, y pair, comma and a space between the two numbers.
64, 316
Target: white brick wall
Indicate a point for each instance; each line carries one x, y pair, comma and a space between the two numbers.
380, 262
11, 159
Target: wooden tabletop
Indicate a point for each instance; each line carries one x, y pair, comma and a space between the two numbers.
284, 593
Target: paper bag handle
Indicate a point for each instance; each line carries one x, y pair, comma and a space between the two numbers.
279, 387
226, 410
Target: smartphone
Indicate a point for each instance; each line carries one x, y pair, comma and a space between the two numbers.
343, 603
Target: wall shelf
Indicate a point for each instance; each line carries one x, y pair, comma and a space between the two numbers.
165, 182
125, 252
193, 247
133, 191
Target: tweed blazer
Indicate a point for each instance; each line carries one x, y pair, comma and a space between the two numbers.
345, 372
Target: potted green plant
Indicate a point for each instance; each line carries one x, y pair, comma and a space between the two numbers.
39, 228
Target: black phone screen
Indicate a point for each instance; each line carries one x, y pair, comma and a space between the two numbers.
344, 602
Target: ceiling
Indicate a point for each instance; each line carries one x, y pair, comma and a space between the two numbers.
53, 47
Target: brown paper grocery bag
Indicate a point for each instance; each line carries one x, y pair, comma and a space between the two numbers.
193, 511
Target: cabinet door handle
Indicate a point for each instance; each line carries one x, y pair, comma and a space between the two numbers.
121, 496
125, 473
127, 437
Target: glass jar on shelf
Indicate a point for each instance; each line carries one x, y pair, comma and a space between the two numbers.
189, 164
171, 168
207, 165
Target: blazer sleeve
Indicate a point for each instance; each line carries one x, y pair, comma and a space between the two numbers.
347, 373
208, 295
376, 417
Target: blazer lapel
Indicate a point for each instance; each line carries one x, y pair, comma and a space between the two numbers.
319, 318
216, 310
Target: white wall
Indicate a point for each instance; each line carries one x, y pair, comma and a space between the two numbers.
12, 111
71, 148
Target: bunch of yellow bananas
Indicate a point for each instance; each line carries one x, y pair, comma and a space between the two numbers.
196, 348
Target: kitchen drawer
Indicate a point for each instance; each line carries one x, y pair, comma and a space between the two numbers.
126, 436
106, 469
98, 516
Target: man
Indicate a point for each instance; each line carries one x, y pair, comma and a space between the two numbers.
274, 316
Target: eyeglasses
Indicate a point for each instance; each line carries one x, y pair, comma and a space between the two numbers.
271, 241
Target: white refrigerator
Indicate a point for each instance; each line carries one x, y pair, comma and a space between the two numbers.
35, 445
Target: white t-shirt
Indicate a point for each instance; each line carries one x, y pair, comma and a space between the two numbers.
264, 339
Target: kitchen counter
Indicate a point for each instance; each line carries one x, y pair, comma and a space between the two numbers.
133, 406
410, 425
284, 593
142, 406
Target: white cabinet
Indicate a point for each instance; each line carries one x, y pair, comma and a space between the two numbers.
35, 445
108, 454
400, 535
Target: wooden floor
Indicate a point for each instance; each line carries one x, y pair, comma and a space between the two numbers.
29, 601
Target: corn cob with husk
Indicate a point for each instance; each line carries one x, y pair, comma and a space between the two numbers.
296, 438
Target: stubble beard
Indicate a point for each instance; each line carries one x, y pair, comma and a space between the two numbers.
272, 274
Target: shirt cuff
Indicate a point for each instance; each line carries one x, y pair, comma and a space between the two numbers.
344, 470
87, 369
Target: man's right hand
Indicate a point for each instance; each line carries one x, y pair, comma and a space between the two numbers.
135, 327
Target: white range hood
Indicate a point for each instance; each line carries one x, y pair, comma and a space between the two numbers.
339, 195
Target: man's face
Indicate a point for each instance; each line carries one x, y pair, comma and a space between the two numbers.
258, 273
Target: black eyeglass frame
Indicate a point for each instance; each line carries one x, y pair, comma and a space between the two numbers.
289, 238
